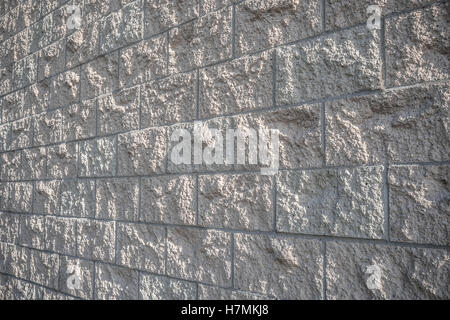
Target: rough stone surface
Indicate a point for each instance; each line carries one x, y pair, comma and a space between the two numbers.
193, 253
201, 42
278, 266
400, 126
170, 100
236, 201
141, 152
117, 199
402, 273
96, 182
342, 202
98, 157
95, 239
154, 287
168, 200
78, 198
143, 62
332, 65
62, 160
60, 235
264, 24
118, 112
141, 246
46, 197
417, 46
240, 85
420, 204
115, 283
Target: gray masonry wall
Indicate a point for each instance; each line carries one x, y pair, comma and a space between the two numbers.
86, 177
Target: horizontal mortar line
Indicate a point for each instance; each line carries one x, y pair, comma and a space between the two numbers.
305, 236
417, 85
38, 284
229, 172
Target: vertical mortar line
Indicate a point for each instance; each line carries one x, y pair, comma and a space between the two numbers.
197, 96
196, 290
323, 136
117, 154
274, 78
386, 201
232, 260
140, 89
139, 199
324, 271
322, 12
165, 249
167, 52
233, 31
383, 52
196, 199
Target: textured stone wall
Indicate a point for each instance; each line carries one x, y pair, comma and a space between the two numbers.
86, 179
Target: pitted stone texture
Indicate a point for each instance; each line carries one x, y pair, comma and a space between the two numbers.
62, 160
162, 15
79, 120
47, 127
420, 204
44, 268
32, 231
170, 100
143, 62
78, 198
60, 235
21, 44
47, 197
13, 106
9, 227
82, 45
121, 27
341, 202
84, 269
14, 260
65, 88
21, 134
94, 10
33, 163
41, 33
141, 246
236, 86
25, 71
341, 14
37, 96
332, 65
142, 152
163, 288
286, 268
264, 24
168, 200
417, 46
55, 295
199, 255
118, 112
117, 199
99, 76
6, 79
51, 60
403, 274
206, 292
207, 6
96, 240
5, 135
98, 157
11, 163
115, 283
201, 42
17, 196
22, 290
398, 126
299, 136
236, 201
